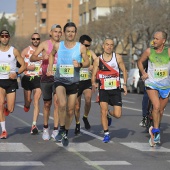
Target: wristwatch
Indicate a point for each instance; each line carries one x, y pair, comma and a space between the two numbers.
124, 84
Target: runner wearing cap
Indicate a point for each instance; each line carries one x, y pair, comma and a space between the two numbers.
8, 77
47, 82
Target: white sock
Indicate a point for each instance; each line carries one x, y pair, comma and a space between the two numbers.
3, 126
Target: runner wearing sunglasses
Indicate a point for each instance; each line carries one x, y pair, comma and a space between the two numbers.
8, 77
31, 80
85, 87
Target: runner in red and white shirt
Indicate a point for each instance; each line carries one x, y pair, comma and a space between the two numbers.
31, 80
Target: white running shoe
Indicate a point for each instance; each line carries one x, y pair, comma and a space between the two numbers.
46, 135
54, 134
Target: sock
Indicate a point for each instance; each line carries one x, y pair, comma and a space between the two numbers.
3, 126
46, 126
106, 132
55, 128
34, 123
85, 116
66, 132
78, 122
62, 127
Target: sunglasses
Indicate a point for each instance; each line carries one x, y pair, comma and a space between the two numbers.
35, 39
86, 45
4, 36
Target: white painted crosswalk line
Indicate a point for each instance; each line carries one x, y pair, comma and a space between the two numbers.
13, 147
108, 163
26, 163
81, 147
145, 147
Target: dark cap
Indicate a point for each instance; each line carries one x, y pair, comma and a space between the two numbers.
4, 32
55, 26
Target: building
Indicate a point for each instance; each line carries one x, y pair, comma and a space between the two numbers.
40, 15
91, 10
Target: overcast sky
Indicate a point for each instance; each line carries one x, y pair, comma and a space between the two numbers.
8, 6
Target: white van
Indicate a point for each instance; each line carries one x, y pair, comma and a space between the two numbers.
132, 80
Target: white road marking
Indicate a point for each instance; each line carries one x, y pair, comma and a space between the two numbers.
145, 147
26, 163
108, 163
81, 147
13, 147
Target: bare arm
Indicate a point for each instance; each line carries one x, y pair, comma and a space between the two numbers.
86, 62
94, 72
142, 59
123, 69
20, 60
51, 58
35, 56
94, 57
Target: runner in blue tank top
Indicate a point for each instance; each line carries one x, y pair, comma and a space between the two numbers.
70, 54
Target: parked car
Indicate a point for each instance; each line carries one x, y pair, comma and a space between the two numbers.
121, 80
132, 80
140, 86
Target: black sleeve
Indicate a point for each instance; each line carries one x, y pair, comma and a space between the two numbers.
18, 64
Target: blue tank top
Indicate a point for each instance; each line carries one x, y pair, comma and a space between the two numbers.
65, 72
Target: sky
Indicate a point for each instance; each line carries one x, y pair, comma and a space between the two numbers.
8, 6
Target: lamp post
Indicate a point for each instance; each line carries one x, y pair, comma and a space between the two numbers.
131, 36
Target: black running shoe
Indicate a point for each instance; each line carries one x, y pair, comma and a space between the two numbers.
65, 140
86, 123
77, 129
60, 134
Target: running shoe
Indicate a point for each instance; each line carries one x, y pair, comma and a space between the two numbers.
60, 135
6, 111
54, 134
143, 122
157, 138
151, 140
65, 140
3, 135
77, 129
26, 109
86, 123
46, 135
34, 130
106, 139
109, 118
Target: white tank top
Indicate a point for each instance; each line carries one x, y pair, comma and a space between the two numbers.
7, 63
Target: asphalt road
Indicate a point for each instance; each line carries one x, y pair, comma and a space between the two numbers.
128, 150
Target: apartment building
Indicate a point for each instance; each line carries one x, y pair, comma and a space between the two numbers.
90, 10
40, 15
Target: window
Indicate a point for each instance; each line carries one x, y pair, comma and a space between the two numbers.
69, 5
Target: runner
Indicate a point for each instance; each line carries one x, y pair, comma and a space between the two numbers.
157, 80
85, 87
8, 77
70, 54
48, 82
109, 84
31, 80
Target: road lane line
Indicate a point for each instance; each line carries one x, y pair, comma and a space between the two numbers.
108, 163
25, 163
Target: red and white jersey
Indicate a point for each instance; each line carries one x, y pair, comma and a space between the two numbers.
38, 69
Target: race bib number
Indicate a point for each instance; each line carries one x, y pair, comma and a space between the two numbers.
84, 74
110, 83
37, 68
66, 71
4, 68
160, 73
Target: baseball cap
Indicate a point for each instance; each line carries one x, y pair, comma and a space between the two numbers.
4, 32
55, 26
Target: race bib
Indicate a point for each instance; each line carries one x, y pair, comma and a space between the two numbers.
160, 73
84, 74
66, 71
110, 83
4, 68
37, 68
